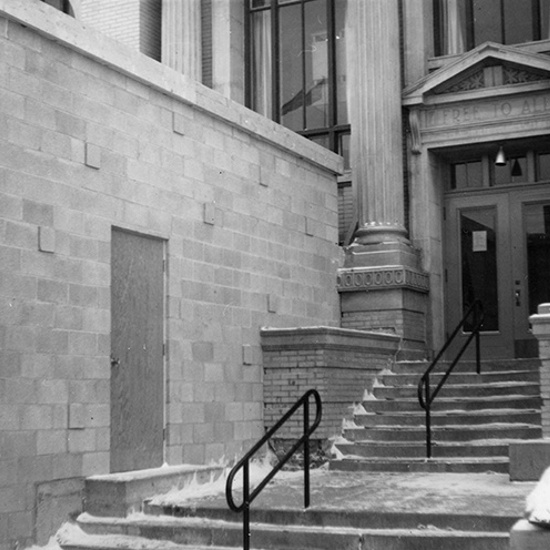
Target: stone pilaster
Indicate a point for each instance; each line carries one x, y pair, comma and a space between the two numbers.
540, 324
382, 286
181, 36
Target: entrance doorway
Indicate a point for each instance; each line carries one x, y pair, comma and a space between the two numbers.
497, 250
137, 362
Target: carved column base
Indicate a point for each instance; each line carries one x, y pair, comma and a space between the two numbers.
383, 289
381, 233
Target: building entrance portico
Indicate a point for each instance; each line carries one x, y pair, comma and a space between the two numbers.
483, 226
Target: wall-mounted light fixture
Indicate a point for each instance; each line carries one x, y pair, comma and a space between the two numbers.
501, 157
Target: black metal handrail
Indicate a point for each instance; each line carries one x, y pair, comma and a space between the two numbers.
425, 395
244, 463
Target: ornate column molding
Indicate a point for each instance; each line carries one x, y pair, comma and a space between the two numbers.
382, 278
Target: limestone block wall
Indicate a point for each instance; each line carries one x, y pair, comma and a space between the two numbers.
95, 136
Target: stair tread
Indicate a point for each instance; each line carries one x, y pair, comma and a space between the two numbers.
468, 412
168, 521
435, 460
497, 425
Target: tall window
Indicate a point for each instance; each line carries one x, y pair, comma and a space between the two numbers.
461, 25
298, 67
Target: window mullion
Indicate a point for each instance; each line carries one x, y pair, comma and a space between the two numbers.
275, 70
303, 64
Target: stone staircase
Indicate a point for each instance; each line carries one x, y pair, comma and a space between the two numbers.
474, 418
350, 511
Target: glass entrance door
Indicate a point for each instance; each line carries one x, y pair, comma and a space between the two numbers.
498, 251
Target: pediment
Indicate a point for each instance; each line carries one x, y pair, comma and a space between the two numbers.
487, 66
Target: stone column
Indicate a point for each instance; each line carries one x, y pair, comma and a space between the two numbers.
381, 284
375, 109
181, 37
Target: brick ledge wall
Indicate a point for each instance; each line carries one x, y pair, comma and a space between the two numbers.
339, 363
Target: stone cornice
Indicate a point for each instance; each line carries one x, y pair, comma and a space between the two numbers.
382, 278
322, 337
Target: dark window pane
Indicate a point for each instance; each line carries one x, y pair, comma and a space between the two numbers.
475, 175
344, 149
259, 3
518, 21
316, 65
291, 66
341, 68
487, 21
543, 167
321, 140
544, 7
514, 171
459, 176
479, 263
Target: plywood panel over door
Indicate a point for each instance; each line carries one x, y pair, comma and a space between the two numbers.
137, 366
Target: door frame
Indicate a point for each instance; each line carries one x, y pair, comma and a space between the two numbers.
513, 338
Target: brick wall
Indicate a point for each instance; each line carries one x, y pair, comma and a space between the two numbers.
340, 364
136, 23
249, 212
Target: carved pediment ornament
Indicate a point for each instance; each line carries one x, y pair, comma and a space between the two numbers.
490, 76
473, 82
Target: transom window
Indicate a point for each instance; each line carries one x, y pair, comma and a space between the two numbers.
297, 69
527, 167
461, 25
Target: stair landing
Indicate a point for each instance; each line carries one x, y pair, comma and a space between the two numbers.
349, 510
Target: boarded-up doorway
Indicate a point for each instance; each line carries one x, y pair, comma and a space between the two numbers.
137, 365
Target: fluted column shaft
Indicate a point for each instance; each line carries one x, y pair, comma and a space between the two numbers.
181, 36
375, 111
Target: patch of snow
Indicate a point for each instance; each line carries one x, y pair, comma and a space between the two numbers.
52, 544
368, 396
194, 490
537, 509
69, 533
358, 409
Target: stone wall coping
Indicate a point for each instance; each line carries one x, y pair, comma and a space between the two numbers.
323, 337
90, 43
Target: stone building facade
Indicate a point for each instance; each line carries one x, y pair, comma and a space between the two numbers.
145, 219
137, 184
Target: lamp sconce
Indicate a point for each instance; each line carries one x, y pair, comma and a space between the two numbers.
501, 157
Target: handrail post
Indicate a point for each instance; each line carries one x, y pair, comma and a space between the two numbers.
306, 453
477, 320
246, 506
428, 419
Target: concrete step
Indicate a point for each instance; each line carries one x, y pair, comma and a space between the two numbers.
344, 518
453, 404
193, 534
393, 379
446, 433
433, 465
412, 450
462, 390
487, 366
529, 416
